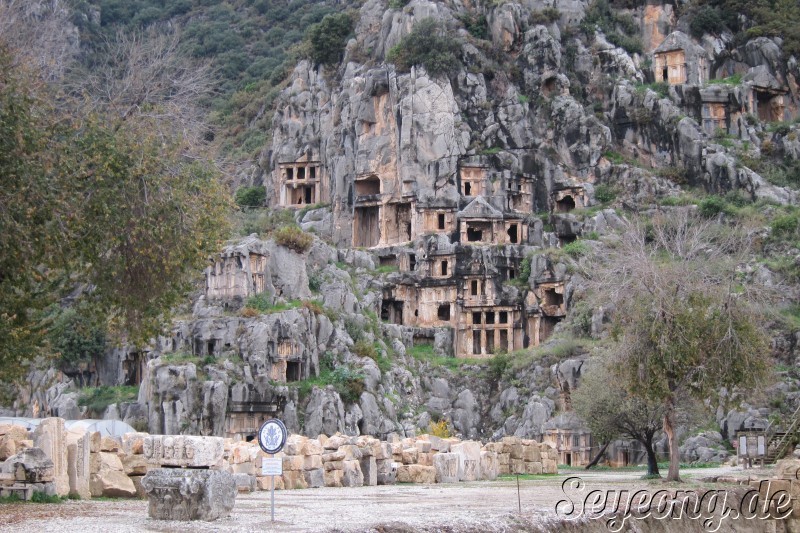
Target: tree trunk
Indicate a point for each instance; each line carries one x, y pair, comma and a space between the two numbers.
672, 439
598, 456
652, 462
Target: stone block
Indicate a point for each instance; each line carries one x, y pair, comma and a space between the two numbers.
133, 443
94, 442
183, 450
322, 439
534, 467
490, 466
293, 462
425, 459
423, 446
105, 461
532, 454
410, 456
111, 484
50, 436
335, 442
517, 466
137, 484
446, 467
351, 452
243, 468
190, 494
549, 466
438, 444
386, 474
333, 478
504, 458
788, 469
109, 444
263, 483
469, 468
416, 474
31, 465
134, 465
351, 474
383, 451
8, 447
369, 469
312, 462
312, 447
505, 470
15, 433
295, 444
243, 453
293, 479
333, 465
338, 455
244, 482
517, 451
314, 478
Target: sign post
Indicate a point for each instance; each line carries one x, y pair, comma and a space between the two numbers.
272, 438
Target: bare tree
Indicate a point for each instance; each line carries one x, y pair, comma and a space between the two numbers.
144, 75
687, 321
40, 35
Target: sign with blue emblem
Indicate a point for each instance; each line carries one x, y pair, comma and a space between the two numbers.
272, 436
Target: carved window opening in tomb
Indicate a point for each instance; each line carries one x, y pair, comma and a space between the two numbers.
132, 368
714, 118
503, 340
301, 173
512, 273
366, 227
476, 318
392, 311
503, 319
770, 106
489, 341
551, 297
289, 174
210, 347
566, 204
388, 260
398, 222
440, 220
474, 234
476, 342
292, 371
513, 236
444, 268
467, 189
475, 287
444, 312
566, 239
576, 441
412, 262
368, 186
546, 326
490, 317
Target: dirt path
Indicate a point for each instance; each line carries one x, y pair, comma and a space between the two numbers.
479, 506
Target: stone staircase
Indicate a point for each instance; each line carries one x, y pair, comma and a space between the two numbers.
782, 442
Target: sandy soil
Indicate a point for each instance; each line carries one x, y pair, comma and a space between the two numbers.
480, 506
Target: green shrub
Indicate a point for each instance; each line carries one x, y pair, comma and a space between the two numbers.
498, 366
97, 399
785, 226
293, 238
712, 206
329, 38
604, 194
440, 429
705, 20
364, 348
76, 338
262, 221
576, 249
545, 16
262, 304
429, 45
251, 196
476, 25
41, 497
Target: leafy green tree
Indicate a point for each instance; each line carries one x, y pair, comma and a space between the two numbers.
687, 322
429, 45
329, 37
612, 412
117, 211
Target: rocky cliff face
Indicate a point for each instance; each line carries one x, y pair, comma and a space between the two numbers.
444, 207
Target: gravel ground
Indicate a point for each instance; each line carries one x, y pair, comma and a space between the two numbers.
479, 506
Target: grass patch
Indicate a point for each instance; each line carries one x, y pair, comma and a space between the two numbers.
424, 353
386, 269
736, 79
526, 477
97, 399
261, 304
293, 238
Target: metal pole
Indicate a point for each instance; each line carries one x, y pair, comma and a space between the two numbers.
272, 494
519, 500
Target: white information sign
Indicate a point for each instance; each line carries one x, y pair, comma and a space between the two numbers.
742, 445
761, 445
271, 466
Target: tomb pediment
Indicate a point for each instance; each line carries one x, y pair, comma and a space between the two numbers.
480, 208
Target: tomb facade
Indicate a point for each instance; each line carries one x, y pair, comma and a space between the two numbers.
301, 184
678, 60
